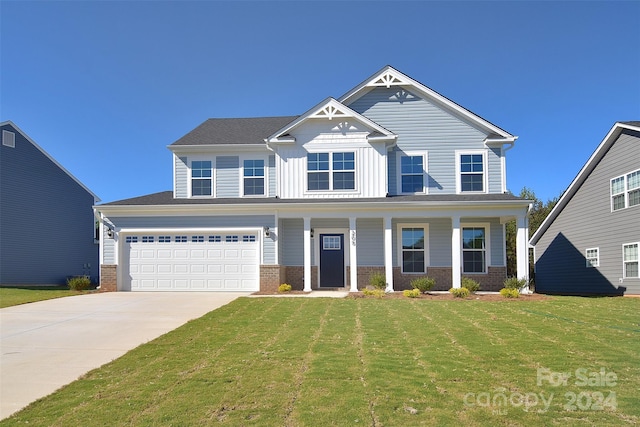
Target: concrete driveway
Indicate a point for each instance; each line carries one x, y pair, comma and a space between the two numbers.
48, 344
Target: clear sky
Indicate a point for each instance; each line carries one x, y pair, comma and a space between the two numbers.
105, 86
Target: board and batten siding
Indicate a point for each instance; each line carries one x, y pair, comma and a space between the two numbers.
338, 135
588, 222
213, 222
47, 224
424, 126
272, 178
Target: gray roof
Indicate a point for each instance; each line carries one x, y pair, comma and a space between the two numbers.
166, 198
251, 130
632, 123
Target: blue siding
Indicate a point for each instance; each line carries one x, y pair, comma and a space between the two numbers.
370, 240
181, 177
422, 125
227, 180
46, 219
291, 242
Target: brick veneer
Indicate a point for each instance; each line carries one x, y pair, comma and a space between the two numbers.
492, 281
270, 277
108, 278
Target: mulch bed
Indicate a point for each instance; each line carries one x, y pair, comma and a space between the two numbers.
427, 296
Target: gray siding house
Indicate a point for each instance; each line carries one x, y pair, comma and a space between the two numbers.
390, 178
589, 243
47, 224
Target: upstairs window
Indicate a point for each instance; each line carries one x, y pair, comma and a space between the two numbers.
630, 260
471, 172
254, 177
331, 171
201, 178
625, 191
412, 173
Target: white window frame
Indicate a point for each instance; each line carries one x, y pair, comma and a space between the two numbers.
425, 170
8, 139
624, 262
485, 172
487, 245
264, 178
331, 171
191, 178
625, 190
425, 227
592, 261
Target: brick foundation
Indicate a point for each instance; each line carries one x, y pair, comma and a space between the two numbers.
271, 277
492, 281
108, 278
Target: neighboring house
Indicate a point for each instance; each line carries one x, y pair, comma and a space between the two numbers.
392, 178
47, 223
589, 242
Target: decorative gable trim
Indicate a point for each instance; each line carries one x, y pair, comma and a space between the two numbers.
389, 76
329, 109
584, 173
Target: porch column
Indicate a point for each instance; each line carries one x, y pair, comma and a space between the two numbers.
353, 255
307, 254
388, 253
456, 251
522, 249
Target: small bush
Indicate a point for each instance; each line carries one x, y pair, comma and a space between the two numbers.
411, 293
284, 288
378, 281
514, 283
470, 284
423, 284
79, 283
378, 293
509, 293
460, 292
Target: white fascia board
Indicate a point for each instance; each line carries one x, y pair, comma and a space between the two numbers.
586, 170
10, 123
344, 111
366, 85
225, 148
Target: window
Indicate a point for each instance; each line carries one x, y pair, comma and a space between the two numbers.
331, 243
253, 177
8, 139
215, 239
337, 174
592, 256
412, 173
131, 239
248, 238
471, 172
625, 191
197, 239
474, 253
180, 239
201, 178
413, 249
231, 239
147, 239
630, 260
164, 239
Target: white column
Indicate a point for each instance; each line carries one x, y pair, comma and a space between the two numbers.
353, 255
522, 251
388, 253
456, 252
307, 254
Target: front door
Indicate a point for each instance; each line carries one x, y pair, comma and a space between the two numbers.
331, 260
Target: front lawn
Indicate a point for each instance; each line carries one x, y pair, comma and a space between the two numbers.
14, 296
393, 362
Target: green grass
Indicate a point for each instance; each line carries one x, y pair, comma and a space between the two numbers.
373, 362
10, 296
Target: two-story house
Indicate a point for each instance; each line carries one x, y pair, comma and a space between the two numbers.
392, 177
589, 243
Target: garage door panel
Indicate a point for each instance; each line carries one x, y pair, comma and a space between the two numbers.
225, 262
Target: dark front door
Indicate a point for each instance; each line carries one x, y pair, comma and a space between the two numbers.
331, 260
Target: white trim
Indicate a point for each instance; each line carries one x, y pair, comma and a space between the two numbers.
487, 244
586, 170
190, 161
425, 170
330, 171
624, 270
265, 178
625, 190
485, 172
425, 227
597, 259
346, 246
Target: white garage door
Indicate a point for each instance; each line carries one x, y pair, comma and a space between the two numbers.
192, 262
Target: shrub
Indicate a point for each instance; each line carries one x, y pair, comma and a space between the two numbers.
378, 281
470, 284
411, 293
423, 284
284, 288
514, 283
460, 292
509, 293
79, 283
378, 293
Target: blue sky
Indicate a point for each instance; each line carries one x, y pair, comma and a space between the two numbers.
105, 86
